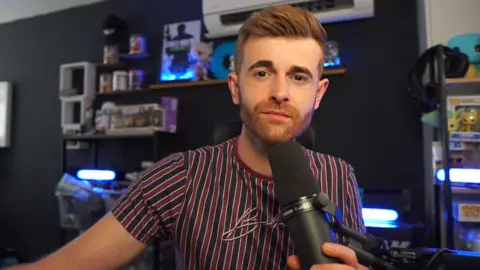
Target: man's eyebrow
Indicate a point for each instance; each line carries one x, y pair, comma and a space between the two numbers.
269, 65
299, 69
261, 63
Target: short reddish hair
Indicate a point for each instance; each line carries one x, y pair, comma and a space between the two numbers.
279, 21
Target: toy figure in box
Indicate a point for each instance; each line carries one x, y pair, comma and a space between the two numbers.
469, 119
201, 56
464, 118
462, 155
468, 44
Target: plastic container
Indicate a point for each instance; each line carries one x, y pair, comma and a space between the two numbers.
77, 214
79, 207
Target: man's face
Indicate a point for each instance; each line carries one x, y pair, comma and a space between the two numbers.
278, 87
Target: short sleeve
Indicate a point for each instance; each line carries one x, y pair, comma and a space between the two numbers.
151, 204
354, 217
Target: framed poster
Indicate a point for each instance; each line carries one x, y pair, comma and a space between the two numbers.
178, 39
5, 113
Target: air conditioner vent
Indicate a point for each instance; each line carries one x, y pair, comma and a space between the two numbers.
312, 6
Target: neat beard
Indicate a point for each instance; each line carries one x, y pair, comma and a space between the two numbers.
272, 131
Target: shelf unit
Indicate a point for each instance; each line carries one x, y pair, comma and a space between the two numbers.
76, 98
439, 196
462, 80
93, 141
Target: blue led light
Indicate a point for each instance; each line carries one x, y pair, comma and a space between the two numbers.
380, 224
379, 214
460, 175
180, 76
96, 175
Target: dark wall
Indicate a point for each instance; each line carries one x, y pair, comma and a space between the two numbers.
366, 116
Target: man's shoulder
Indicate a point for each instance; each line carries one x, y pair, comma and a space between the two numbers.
192, 157
212, 149
326, 159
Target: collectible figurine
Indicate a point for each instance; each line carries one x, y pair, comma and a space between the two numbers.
452, 124
469, 119
201, 56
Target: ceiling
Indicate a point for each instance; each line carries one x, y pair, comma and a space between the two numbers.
12, 10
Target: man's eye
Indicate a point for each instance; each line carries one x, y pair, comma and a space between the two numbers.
261, 74
299, 78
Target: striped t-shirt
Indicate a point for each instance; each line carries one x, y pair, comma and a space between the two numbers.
219, 213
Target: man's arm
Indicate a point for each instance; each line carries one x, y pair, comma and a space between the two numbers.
107, 245
354, 218
123, 234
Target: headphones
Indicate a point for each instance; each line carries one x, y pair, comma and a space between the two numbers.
456, 66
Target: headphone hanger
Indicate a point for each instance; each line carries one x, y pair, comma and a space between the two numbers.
428, 93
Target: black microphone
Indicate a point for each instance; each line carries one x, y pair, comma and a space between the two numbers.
295, 188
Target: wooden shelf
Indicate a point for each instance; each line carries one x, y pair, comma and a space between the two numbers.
114, 93
462, 80
334, 71
186, 84
460, 190
133, 56
326, 72
107, 137
114, 66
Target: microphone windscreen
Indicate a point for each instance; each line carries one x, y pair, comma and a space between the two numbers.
291, 173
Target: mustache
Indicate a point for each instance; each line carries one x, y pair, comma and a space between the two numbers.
273, 106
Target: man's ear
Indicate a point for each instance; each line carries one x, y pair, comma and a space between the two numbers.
234, 87
321, 89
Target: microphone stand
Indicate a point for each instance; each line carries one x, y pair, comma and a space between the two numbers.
372, 251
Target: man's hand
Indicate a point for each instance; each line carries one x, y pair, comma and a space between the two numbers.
341, 252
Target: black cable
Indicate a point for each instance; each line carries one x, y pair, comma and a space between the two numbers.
435, 256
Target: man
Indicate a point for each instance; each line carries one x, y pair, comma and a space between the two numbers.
217, 203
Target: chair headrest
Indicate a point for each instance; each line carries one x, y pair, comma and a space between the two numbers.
225, 131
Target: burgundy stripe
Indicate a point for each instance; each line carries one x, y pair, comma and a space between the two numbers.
323, 177
248, 205
343, 192
200, 208
333, 181
235, 214
268, 237
209, 217
217, 204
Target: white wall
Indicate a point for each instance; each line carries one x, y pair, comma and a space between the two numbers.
439, 20
11, 10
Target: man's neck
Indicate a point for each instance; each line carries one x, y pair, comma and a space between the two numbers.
253, 152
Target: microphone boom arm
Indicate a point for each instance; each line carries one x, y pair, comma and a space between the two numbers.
372, 252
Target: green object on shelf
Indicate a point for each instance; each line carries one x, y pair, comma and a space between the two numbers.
433, 118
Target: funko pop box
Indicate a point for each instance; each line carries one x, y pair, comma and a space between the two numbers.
463, 118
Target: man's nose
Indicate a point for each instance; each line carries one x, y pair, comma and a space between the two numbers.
279, 92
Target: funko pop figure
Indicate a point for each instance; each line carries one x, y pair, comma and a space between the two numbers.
452, 125
469, 119
201, 56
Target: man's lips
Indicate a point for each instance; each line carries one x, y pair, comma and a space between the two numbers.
276, 114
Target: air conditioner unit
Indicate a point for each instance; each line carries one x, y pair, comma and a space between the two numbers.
224, 18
